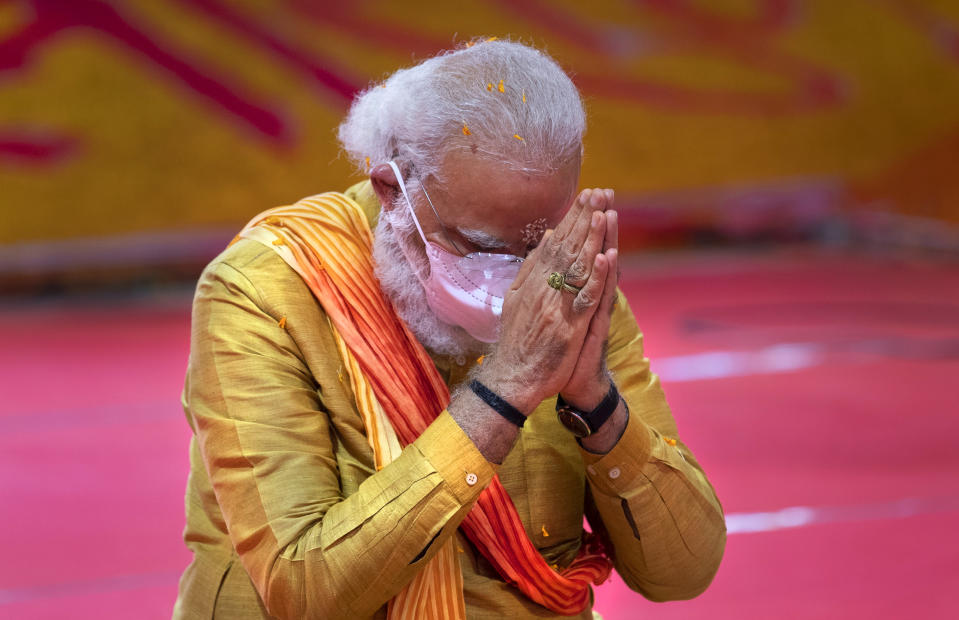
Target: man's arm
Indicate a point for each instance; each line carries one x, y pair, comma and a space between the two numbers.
269, 450
659, 510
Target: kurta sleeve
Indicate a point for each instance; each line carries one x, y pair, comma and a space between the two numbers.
269, 449
658, 509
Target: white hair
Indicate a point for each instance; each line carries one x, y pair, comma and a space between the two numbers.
396, 254
504, 100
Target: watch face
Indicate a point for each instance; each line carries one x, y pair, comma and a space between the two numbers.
574, 422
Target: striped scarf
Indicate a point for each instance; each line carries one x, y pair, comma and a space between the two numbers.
327, 240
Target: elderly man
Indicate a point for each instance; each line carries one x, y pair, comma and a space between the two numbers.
333, 474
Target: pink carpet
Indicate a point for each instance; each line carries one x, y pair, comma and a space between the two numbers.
818, 391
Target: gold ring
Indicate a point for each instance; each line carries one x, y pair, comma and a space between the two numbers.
558, 281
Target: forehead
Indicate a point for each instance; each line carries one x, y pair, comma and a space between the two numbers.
480, 194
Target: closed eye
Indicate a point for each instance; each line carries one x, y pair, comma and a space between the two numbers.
484, 241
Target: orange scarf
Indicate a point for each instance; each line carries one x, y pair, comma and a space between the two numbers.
327, 240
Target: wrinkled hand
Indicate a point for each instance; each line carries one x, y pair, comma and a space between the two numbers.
589, 382
548, 342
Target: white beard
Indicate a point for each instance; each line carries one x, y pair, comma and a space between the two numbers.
400, 264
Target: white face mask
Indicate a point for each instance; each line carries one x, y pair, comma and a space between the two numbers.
465, 290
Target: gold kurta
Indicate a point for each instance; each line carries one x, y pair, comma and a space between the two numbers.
286, 516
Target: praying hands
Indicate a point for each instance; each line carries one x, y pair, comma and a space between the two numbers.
552, 339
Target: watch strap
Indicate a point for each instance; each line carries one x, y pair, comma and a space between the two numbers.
598, 416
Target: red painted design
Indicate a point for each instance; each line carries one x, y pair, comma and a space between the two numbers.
771, 16
747, 42
683, 27
326, 71
52, 17
942, 33
348, 18
692, 28
35, 147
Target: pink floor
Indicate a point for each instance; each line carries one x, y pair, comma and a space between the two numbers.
820, 393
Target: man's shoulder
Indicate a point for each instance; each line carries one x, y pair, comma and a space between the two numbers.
250, 259
252, 269
362, 194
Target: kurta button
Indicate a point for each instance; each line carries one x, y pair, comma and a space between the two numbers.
614, 473
471, 479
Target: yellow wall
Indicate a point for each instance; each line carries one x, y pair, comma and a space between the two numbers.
146, 115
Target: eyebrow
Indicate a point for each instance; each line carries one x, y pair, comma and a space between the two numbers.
482, 239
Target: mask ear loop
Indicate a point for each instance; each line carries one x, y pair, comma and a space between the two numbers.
409, 203
445, 234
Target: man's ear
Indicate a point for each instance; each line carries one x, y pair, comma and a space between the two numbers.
385, 185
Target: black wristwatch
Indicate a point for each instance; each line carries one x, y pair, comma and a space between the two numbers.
585, 423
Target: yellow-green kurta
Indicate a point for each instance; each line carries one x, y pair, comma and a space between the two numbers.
286, 517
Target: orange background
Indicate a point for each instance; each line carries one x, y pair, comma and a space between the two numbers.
167, 115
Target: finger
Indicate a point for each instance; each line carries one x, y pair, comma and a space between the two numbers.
593, 354
598, 199
599, 325
578, 272
576, 237
598, 332
589, 297
611, 239
610, 293
572, 216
